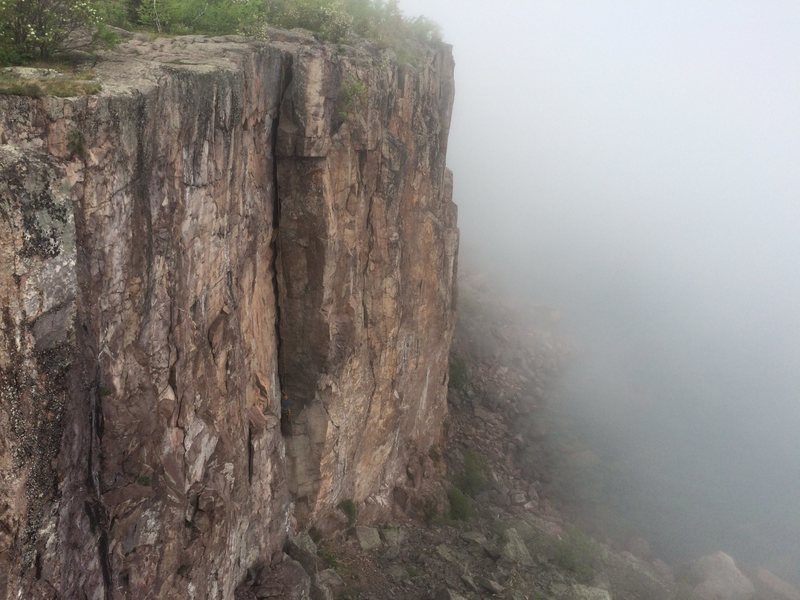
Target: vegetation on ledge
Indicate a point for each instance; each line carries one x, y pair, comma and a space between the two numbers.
41, 29
48, 82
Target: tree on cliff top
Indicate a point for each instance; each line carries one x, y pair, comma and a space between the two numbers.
331, 20
39, 28
213, 17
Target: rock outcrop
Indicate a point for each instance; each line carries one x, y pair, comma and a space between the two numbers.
771, 587
720, 579
227, 302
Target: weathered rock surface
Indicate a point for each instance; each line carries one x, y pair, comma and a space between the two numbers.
514, 549
368, 537
720, 579
366, 256
37, 300
584, 592
771, 587
226, 284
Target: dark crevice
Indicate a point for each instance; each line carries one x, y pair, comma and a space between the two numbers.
95, 511
250, 450
283, 402
365, 311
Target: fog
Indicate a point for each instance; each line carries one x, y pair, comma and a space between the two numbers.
637, 166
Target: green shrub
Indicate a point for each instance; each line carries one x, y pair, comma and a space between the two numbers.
430, 512
333, 20
458, 372
382, 22
352, 96
327, 556
119, 13
315, 534
42, 28
460, 505
348, 507
63, 87
76, 147
328, 18
8, 56
214, 17
105, 37
473, 478
578, 553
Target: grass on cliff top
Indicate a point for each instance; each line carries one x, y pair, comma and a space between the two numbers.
61, 84
380, 21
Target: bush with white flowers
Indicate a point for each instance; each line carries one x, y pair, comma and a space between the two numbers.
41, 28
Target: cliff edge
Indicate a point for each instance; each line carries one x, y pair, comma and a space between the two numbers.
226, 290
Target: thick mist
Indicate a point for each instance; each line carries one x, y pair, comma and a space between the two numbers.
635, 164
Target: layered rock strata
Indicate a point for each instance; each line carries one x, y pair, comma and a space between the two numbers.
226, 291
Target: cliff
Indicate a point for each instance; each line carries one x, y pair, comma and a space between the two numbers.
226, 288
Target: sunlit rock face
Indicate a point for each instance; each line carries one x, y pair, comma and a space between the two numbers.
226, 292
367, 245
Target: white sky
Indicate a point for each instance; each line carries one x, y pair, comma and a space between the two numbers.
637, 163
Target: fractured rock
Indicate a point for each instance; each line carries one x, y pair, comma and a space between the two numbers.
584, 592
368, 537
514, 549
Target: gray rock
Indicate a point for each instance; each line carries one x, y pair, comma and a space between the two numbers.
303, 549
584, 592
393, 536
514, 549
448, 594
468, 581
287, 580
368, 537
446, 553
397, 573
773, 587
490, 585
321, 592
326, 585
533, 493
518, 498
474, 536
32, 73
632, 577
720, 579
330, 579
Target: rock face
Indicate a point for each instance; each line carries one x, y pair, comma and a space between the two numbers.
227, 301
366, 257
771, 587
720, 579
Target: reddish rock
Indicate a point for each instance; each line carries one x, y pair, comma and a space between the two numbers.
214, 229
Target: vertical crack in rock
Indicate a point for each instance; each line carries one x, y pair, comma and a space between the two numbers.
95, 511
365, 284
369, 232
285, 82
